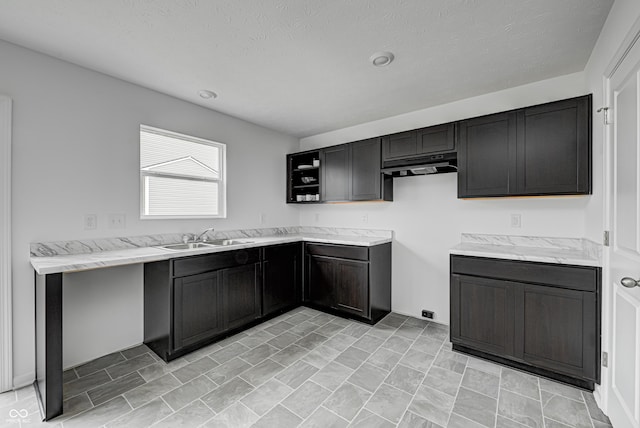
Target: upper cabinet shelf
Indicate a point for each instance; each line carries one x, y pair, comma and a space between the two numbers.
539, 150
303, 177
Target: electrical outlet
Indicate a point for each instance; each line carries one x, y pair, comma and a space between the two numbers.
117, 221
263, 218
428, 314
90, 222
516, 221
365, 218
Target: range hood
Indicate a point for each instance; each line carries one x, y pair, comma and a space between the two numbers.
432, 164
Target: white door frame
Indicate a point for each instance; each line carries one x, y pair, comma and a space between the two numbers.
633, 37
6, 342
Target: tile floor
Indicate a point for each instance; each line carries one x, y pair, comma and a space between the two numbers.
309, 369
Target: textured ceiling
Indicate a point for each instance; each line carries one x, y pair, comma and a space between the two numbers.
302, 66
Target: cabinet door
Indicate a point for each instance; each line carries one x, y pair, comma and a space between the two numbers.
436, 139
365, 170
351, 291
320, 280
399, 146
281, 285
557, 329
197, 308
554, 148
482, 314
241, 294
336, 174
487, 156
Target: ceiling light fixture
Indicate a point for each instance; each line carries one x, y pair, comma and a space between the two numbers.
207, 94
381, 59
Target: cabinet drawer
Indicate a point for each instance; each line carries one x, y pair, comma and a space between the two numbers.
339, 251
571, 277
199, 264
283, 250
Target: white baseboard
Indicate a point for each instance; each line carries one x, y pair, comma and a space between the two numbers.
24, 380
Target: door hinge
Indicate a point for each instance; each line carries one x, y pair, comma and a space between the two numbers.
606, 114
605, 359
605, 238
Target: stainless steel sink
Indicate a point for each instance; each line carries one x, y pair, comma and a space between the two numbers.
228, 242
188, 246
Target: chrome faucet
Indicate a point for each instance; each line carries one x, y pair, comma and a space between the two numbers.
203, 234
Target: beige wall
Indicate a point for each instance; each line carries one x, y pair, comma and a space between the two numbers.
75, 152
426, 214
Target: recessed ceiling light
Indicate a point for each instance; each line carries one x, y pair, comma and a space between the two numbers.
207, 94
380, 59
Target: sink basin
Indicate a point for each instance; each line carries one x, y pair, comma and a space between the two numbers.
228, 242
188, 246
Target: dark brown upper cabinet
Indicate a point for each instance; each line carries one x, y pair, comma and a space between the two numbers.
554, 148
336, 173
539, 150
303, 177
366, 179
431, 140
351, 172
487, 155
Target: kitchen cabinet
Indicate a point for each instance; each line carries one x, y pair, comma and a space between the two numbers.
241, 294
487, 156
365, 170
554, 148
349, 280
336, 173
303, 177
419, 142
485, 313
282, 277
346, 172
539, 150
539, 317
198, 308
191, 301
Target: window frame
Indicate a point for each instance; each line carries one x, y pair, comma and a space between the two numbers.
222, 181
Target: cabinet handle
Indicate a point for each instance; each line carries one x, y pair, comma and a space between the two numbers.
629, 282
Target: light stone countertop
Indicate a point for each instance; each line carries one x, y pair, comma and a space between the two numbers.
567, 251
66, 263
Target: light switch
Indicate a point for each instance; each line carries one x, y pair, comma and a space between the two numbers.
117, 221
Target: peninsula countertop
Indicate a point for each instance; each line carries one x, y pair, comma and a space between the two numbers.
76, 261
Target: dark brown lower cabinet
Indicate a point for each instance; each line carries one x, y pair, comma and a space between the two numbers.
190, 302
352, 286
282, 277
538, 317
560, 327
197, 308
350, 280
321, 279
486, 314
241, 295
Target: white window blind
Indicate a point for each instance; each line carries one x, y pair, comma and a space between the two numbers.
180, 176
